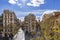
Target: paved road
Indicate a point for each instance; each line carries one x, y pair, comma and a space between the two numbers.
20, 35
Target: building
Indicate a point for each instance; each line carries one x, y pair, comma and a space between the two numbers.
50, 27
30, 23
1, 23
10, 22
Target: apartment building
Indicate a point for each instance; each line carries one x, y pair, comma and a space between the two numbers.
30, 23
10, 22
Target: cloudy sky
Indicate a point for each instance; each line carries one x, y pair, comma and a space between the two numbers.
24, 7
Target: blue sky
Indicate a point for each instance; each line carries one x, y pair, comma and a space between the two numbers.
24, 7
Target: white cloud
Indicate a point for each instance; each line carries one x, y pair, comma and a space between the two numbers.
49, 11
12, 1
21, 18
37, 18
19, 4
35, 3
29, 4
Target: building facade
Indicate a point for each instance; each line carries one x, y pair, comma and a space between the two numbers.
30, 23
1, 23
10, 22
50, 27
